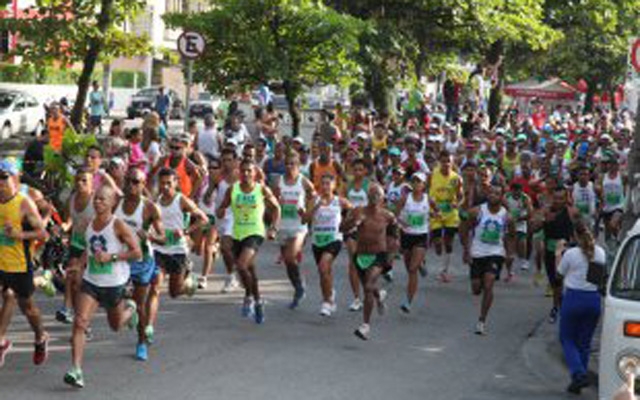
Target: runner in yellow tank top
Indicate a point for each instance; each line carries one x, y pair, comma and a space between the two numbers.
445, 189
21, 224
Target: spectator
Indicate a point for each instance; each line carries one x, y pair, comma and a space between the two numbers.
163, 105
97, 108
208, 142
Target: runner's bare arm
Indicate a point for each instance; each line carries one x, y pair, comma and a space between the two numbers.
226, 202
272, 203
188, 206
126, 236
156, 234
154, 170
466, 227
31, 215
353, 220
196, 178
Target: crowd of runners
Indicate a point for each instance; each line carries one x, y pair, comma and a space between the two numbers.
146, 205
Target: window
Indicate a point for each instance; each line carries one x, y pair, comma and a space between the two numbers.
626, 278
174, 6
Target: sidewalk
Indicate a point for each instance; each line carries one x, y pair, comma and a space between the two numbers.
543, 356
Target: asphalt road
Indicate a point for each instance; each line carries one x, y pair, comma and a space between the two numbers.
205, 349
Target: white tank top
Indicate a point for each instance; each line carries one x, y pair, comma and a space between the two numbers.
109, 274
80, 219
584, 199
173, 219
136, 222
326, 223
613, 192
209, 209
358, 197
415, 215
223, 186
488, 236
394, 193
292, 198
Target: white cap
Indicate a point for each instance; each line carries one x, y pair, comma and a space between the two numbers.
419, 175
298, 139
362, 135
232, 141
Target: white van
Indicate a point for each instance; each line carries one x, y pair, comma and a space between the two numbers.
620, 343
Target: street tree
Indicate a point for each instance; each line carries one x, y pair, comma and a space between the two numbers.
294, 44
66, 32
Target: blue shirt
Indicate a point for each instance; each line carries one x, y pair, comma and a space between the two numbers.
162, 103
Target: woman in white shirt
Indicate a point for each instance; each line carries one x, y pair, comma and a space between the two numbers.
580, 309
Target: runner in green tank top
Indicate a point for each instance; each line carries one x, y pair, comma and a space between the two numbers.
248, 200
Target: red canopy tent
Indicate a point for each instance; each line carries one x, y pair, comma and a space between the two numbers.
553, 89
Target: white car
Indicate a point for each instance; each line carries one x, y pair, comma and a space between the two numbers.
620, 343
206, 103
20, 113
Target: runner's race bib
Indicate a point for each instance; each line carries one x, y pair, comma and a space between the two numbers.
96, 268
445, 207
490, 236
323, 239
290, 211
415, 220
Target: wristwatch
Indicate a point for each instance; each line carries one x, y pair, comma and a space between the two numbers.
114, 257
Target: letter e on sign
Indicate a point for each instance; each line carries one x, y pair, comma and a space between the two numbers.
191, 45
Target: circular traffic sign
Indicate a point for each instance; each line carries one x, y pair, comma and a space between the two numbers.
191, 45
635, 55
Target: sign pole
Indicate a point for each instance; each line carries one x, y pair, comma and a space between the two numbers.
188, 98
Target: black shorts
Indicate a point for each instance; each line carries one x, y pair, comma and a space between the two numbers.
250, 242
409, 241
485, 265
173, 263
550, 269
380, 260
443, 232
107, 297
332, 248
20, 283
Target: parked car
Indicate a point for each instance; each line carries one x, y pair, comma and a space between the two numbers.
206, 103
20, 113
144, 101
620, 341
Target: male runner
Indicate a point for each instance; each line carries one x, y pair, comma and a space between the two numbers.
520, 209
248, 200
584, 196
206, 241
293, 190
173, 255
143, 218
21, 225
612, 189
228, 177
373, 223
485, 248
445, 189
110, 244
325, 215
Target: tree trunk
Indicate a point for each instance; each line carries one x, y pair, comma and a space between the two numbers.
495, 97
378, 91
588, 100
291, 94
89, 63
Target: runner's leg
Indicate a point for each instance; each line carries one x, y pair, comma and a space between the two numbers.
86, 307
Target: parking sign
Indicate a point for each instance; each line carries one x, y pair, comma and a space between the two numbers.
191, 45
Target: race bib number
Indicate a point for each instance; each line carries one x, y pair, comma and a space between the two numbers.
290, 211
583, 208
172, 239
96, 268
323, 239
415, 220
613, 198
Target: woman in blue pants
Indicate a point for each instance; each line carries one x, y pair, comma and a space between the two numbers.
580, 309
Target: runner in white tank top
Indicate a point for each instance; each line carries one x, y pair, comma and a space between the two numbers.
110, 244
292, 191
228, 176
613, 201
206, 239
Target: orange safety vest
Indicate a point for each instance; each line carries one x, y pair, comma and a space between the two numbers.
184, 180
56, 132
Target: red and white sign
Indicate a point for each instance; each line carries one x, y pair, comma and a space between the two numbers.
635, 55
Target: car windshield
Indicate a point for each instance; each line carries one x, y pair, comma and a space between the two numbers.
148, 93
626, 277
6, 99
205, 96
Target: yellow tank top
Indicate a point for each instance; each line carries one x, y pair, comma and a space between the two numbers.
509, 165
14, 253
379, 144
444, 190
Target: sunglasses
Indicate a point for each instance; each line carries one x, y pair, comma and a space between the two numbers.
135, 181
4, 177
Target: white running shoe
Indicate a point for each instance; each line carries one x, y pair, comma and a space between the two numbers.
326, 309
230, 284
356, 305
480, 328
382, 307
202, 282
363, 332
525, 265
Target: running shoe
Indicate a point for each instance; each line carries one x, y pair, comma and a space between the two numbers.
325, 309
74, 378
133, 320
298, 296
406, 307
64, 315
230, 284
149, 333
259, 312
141, 352
4, 349
553, 315
356, 305
382, 307
191, 284
480, 328
202, 282
578, 383
363, 332
247, 307
41, 351
47, 286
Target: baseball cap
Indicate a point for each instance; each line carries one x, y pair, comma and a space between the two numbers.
419, 175
183, 137
394, 151
232, 141
298, 139
9, 166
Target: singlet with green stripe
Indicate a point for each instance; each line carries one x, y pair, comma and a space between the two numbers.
248, 212
359, 197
